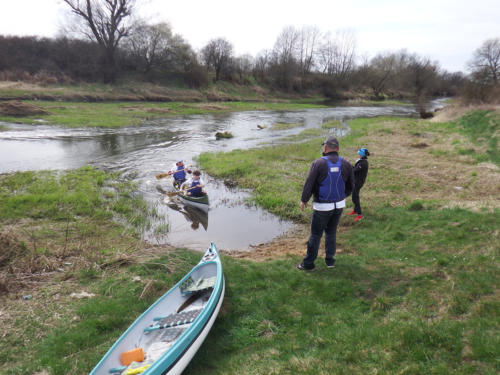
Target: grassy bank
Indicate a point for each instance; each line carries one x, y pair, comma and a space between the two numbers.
415, 290
81, 114
59, 233
49, 218
132, 103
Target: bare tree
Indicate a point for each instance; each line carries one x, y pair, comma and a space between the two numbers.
337, 55
380, 71
217, 54
308, 40
286, 45
261, 65
105, 22
485, 64
284, 61
243, 66
149, 43
422, 76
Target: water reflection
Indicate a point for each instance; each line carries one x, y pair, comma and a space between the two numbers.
192, 215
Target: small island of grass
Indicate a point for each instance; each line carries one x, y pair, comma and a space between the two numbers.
220, 135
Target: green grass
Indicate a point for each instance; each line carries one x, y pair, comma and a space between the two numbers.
90, 326
483, 128
380, 103
51, 217
117, 114
417, 297
415, 290
331, 124
254, 168
70, 194
220, 135
285, 126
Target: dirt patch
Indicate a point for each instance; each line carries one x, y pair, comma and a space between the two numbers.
292, 243
19, 108
419, 145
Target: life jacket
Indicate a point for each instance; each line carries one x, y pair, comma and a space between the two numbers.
332, 188
195, 191
181, 175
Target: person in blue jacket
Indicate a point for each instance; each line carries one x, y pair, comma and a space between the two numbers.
194, 185
330, 181
360, 173
179, 173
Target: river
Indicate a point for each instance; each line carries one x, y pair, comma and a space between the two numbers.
140, 152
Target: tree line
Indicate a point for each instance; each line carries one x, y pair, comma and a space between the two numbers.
302, 60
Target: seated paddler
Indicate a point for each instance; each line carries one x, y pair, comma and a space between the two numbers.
179, 173
194, 186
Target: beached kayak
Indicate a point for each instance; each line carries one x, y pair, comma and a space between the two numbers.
164, 339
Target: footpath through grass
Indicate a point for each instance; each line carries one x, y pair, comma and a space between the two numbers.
415, 290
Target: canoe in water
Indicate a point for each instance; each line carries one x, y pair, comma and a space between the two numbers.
164, 339
199, 202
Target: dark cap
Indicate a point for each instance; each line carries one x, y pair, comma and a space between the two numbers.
331, 142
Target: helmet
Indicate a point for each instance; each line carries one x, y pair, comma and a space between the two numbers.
363, 152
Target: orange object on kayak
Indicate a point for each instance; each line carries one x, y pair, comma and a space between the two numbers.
134, 355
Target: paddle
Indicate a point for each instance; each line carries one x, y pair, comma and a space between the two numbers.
174, 193
166, 174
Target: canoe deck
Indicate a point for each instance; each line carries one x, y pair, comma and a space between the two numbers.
168, 334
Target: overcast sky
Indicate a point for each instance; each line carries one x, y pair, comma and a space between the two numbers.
447, 31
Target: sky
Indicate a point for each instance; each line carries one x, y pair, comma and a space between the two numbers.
446, 31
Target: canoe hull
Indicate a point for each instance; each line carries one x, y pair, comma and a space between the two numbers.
201, 203
173, 355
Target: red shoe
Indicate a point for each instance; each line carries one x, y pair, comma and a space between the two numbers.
352, 213
358, 218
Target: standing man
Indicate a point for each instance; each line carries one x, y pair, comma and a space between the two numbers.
330, 181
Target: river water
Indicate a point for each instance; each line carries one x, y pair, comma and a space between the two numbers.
140, 152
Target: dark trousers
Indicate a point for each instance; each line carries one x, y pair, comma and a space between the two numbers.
326, 221
355, 200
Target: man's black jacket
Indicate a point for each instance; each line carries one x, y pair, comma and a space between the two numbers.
319, 171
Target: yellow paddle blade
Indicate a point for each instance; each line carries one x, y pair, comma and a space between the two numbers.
161, 175
173, 193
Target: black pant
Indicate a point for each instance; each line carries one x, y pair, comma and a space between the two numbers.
322, 221
355, 200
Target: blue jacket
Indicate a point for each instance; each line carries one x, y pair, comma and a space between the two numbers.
181, 175
196, 191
